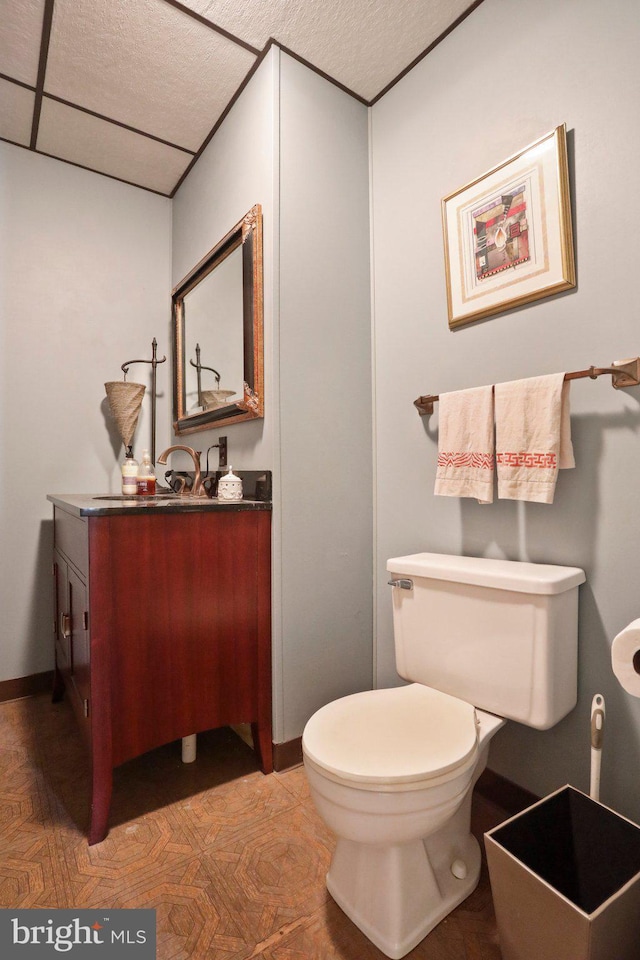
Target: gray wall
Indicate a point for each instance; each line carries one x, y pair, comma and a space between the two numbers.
325, 395
85, 268
509, 74
298, 145
237, 170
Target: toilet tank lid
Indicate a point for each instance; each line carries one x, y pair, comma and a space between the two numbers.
516, 575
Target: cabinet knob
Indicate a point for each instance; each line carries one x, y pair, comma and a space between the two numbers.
65, 625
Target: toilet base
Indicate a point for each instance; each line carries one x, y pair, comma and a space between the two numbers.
397, 893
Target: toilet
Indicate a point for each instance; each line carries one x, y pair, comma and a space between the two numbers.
391, 771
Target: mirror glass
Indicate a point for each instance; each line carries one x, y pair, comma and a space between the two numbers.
218, 333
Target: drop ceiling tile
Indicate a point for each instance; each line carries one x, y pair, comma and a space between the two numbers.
144, 63
363, 44
20, 33
72, 135
16, 112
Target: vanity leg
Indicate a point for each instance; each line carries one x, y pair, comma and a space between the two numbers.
102, 787
261, 733
101, 743
261, 729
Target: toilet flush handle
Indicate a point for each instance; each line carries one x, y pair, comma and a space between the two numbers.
401, 582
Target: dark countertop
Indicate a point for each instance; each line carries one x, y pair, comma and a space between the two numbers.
100, 505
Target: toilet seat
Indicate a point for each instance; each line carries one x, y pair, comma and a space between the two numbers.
403, 738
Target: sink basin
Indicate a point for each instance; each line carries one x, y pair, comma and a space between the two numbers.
139, 498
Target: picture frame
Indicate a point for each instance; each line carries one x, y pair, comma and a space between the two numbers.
508, 237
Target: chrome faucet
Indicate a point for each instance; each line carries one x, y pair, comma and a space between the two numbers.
197, 490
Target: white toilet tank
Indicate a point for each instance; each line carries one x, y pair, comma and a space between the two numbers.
501, 634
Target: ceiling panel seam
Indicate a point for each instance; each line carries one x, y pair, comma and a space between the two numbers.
212, 26
14, 143
19, 83
207, 140
111, 176
445, 33
42, 69
118, 123
321, 73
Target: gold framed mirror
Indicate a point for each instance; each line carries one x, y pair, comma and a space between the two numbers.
218, 333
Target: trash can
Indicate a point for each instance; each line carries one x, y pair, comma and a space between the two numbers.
565, 879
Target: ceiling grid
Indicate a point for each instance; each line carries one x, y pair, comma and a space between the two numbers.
135, 89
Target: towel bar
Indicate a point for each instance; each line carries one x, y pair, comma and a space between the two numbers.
624, 373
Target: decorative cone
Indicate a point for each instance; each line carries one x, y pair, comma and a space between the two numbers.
212, 399
125, 400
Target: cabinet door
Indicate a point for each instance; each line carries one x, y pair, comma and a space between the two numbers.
79, 649
72, 634
62, 614
183, 615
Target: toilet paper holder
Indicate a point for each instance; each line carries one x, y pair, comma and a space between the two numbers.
625, 658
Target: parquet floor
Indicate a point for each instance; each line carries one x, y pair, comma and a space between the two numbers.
233, 861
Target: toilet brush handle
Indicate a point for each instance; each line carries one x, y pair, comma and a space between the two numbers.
594, 783
597, 734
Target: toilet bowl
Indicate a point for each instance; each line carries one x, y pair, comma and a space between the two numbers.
392, 771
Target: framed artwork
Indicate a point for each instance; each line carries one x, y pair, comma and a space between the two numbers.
507, 235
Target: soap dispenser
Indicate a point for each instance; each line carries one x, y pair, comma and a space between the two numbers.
229, 486
129, 474
146, 479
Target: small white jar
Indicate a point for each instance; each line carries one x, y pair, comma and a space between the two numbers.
229, 486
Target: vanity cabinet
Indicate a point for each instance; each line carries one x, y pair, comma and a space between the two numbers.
163, 628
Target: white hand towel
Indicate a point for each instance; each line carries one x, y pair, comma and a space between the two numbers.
465, 444
533, 437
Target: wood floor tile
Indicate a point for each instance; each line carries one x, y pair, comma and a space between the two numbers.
270, 877
240, 807
30, 877
327, 935
233, 862
17, 729
296, 782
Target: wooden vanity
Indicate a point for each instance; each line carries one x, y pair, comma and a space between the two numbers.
163, 625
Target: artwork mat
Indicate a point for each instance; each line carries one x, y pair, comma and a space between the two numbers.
543, 167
